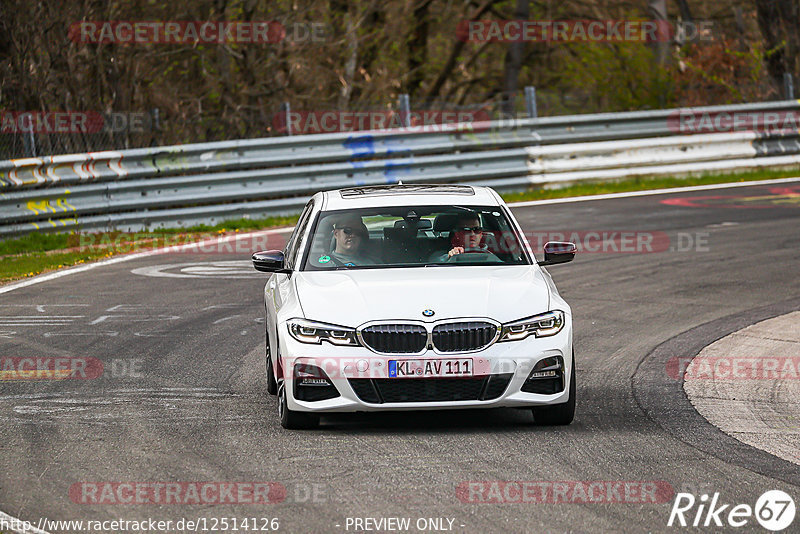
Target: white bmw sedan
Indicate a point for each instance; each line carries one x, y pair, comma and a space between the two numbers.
415, 297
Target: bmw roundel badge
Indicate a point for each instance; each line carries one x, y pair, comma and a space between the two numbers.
427, 313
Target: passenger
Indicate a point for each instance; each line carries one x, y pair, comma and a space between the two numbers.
352, 242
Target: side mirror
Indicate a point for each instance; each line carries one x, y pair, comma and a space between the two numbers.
270, 261
558, 252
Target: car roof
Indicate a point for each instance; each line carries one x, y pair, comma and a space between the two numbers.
409, 194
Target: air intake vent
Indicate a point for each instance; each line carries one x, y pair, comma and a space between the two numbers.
392, 390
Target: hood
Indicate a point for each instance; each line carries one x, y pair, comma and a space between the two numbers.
351, 298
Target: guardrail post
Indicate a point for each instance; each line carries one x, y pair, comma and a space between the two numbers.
404, 104
788, 86
28, 141
530, 101
286, 109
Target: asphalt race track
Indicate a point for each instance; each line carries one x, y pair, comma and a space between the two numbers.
182, 398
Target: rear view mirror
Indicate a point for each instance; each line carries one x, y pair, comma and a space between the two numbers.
558, 252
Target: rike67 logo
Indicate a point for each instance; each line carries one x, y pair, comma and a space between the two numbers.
774, 510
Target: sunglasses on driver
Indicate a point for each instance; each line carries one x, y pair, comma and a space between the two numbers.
348, 230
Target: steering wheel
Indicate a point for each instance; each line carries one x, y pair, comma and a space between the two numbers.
484, 253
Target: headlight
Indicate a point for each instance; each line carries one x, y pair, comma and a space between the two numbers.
306, 331
546, 324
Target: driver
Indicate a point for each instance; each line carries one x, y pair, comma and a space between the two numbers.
467, 236
352, 238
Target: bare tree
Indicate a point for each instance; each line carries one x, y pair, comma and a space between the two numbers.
778, 21
513, 61
658, 12
452, 59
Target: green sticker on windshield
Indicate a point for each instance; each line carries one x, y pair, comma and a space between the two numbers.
324, 259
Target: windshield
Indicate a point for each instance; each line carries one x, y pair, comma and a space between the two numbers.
412, 236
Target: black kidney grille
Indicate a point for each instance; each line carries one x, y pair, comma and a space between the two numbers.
395, 338
389, 390
460, 337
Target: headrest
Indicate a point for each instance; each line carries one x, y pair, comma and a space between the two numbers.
445, 222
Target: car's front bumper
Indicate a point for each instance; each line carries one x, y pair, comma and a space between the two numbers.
341, 364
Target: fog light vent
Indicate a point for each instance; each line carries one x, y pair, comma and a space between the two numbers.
312, 384
547, 377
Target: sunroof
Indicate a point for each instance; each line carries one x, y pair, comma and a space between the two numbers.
406, 189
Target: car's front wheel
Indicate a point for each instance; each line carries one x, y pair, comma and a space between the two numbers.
291, 419
558, 414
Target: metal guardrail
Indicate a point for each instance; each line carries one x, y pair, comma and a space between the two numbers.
210, 182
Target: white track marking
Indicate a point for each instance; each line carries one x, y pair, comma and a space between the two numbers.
667, 191
222, 306
142, 334
133, 307
226, 319
129, 319
37, 306
41, 317
34, 324
38, 320
232, 269
53, 334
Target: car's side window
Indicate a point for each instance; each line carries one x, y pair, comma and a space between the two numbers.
292, 246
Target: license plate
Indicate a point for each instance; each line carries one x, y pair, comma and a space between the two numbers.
430, 368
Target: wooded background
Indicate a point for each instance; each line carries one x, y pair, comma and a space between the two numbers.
374, 51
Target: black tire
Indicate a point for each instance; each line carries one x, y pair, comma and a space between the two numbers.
558, 414
272, 383
290, 419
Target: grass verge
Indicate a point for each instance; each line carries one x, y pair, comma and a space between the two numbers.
38, 253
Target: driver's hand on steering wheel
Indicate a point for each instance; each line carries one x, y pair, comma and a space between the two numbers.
455, 250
